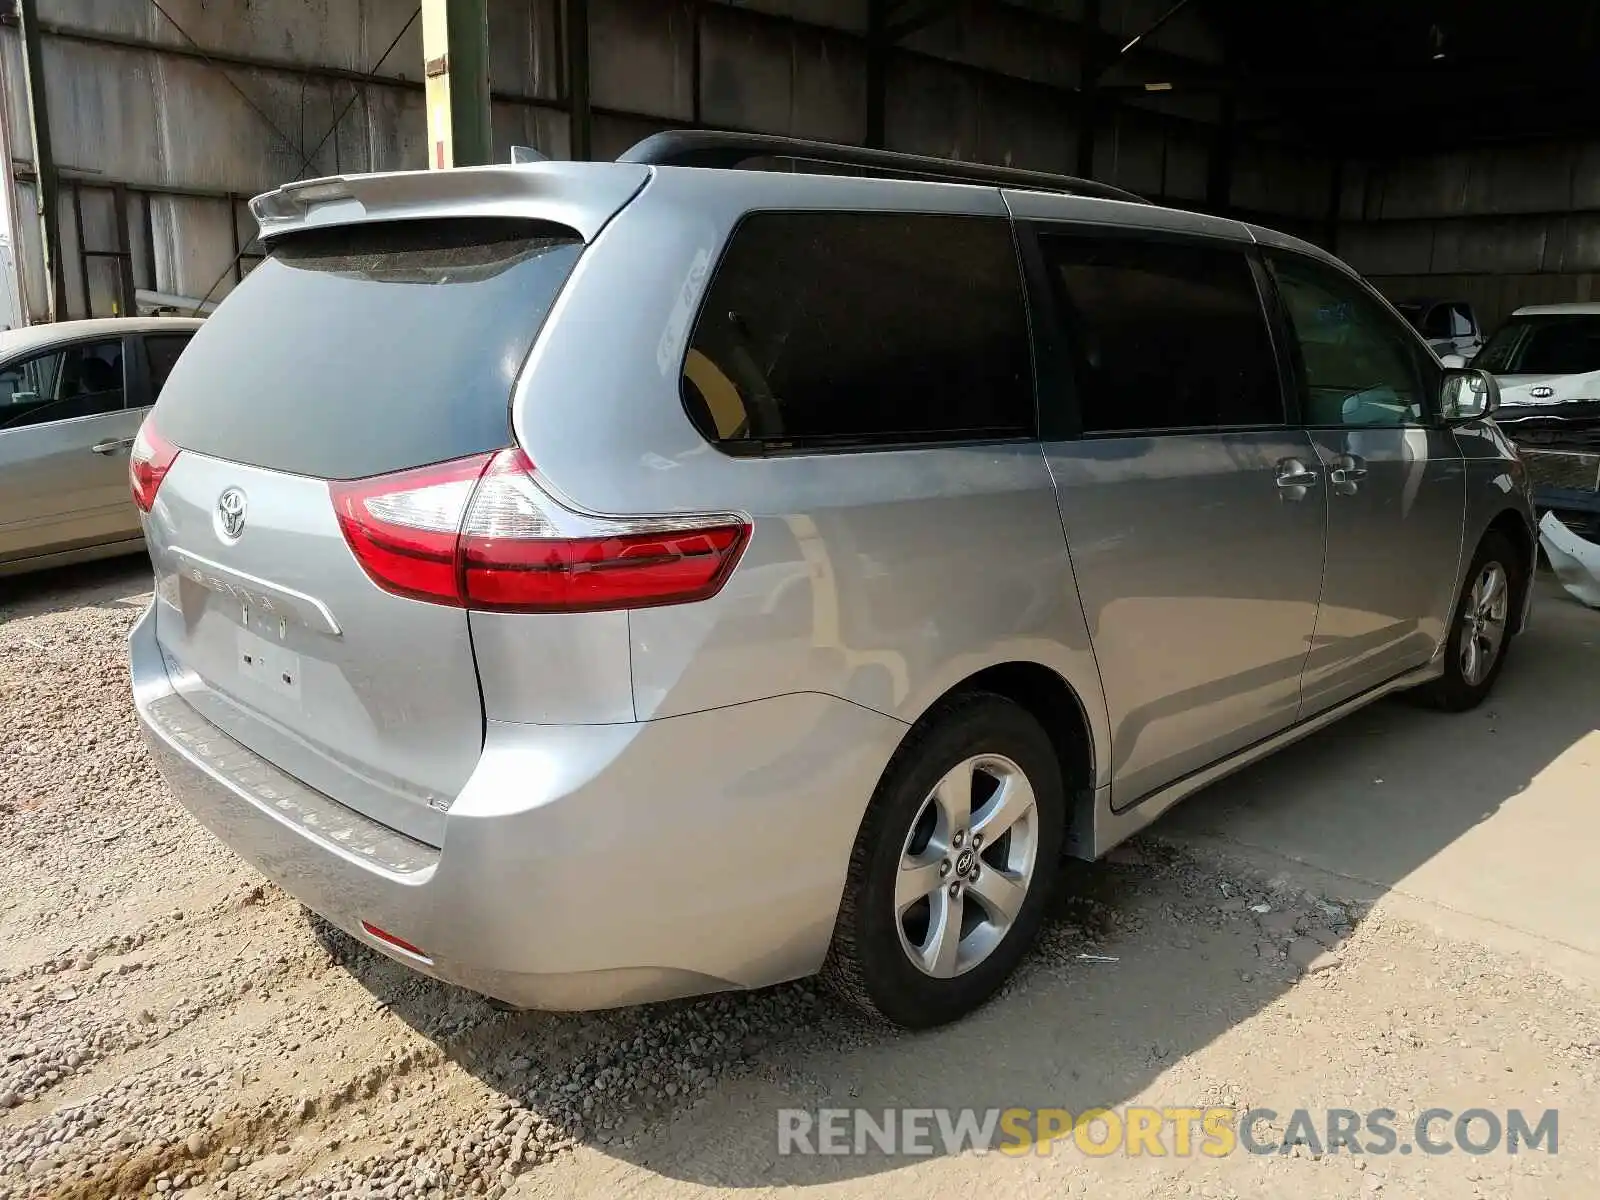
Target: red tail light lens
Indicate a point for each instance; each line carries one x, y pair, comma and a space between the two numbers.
405, 528
148, 463
482, 533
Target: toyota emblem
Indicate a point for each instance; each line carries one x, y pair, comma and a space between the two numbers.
230, 513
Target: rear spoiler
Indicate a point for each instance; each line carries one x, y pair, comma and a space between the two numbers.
581, 196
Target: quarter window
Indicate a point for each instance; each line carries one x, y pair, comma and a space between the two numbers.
1359, 366
78, 381
841, 329
1163, 335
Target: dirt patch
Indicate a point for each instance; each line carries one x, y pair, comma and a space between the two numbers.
171, 1024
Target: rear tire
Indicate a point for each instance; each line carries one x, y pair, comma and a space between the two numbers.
1481, 627
933, 922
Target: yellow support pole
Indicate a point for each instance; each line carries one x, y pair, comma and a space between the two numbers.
455, 51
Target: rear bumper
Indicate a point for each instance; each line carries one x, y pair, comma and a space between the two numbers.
581, 866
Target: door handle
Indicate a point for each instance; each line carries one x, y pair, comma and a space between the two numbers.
1294, 478
1347, 472
112, 446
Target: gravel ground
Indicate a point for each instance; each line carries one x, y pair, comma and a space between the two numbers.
171, 1023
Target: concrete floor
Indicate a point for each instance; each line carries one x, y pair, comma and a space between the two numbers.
1482, 823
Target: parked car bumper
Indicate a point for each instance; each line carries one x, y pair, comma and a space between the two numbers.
581, 866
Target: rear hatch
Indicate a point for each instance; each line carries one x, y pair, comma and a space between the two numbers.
350, 353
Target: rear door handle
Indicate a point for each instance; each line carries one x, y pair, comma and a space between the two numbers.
113, 446
1294, 478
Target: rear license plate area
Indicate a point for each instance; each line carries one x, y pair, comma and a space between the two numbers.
267, 665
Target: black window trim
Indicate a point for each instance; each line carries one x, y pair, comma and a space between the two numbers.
1063, 422
797, 447
137, 375
133, 376
1285, 351
1421, 352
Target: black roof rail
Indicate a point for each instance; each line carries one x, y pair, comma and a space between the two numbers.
709, 148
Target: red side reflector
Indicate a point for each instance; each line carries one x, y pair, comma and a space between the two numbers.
389, 939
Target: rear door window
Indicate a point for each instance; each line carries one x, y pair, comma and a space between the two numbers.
1163, 335
856, 329
361, 350
162, 351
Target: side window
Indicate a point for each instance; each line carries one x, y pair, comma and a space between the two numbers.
1461, 322
838, 329
1437, 324
59, 385
1359, 365
162, 350
28, 385
1166, 335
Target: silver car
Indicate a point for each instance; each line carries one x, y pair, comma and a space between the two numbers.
593, 583
72, 396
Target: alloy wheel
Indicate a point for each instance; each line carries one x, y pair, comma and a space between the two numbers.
966, 866
1483, 621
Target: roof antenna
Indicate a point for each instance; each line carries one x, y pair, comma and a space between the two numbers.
528, 154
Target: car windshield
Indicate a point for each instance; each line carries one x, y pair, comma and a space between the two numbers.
1554, 344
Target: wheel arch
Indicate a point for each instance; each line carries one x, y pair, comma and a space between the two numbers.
1513, 526
1060, 709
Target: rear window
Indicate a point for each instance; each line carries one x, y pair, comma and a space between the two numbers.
850, 329
356, 351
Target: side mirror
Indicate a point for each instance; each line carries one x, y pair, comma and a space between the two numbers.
1468, 395
1453, 361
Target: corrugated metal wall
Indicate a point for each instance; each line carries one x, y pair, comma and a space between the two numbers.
172, 116
135, 105
1499, 227
988, 82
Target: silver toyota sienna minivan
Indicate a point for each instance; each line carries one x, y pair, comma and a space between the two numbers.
594, 583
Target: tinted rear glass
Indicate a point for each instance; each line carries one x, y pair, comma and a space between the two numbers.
838, 329
1565, 344
358, 351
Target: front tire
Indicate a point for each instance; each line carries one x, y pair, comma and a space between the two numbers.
1481, 629
953, 867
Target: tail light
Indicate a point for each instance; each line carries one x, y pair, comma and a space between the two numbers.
482, 533
148, 463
